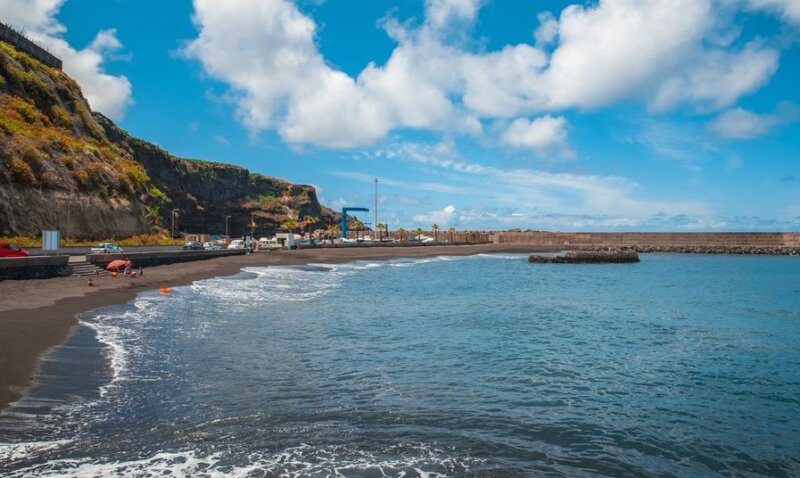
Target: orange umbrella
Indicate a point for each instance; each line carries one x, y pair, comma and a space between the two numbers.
118, 264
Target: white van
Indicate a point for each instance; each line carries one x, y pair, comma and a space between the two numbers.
236, 244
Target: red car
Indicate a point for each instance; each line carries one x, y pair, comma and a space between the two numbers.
10, 250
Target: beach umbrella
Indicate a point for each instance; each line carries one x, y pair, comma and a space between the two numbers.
118, 264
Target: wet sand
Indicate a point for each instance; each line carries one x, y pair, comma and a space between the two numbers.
37, 315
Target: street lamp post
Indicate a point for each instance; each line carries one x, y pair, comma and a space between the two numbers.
174, 213
376, 205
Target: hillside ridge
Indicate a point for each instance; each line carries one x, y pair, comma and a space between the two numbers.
63, 166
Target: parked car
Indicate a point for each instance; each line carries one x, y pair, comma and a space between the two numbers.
10, 250
211, 246
106, 248
193, 246
236, 244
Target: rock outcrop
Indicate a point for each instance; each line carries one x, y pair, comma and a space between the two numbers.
588, 257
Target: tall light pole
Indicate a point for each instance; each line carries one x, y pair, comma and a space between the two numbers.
174, 213
376, 205
226, 226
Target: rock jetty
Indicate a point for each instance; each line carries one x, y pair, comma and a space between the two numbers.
588, 257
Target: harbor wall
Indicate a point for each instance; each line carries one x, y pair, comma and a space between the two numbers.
655, 239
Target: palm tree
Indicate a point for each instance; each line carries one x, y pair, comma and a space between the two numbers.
309, 221
357, 225
402, 233
289, 225
452, 231
435, 229
419, 234
382, 227
333, 229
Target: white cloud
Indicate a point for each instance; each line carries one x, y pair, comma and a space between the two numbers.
741, 124
738, 123
720, 80
106, 93
542, 135
547, 31
663, 53
415, 185
443, 217
788, 9
546, 193
440, 14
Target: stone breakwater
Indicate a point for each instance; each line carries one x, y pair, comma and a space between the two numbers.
736, 250
588, 257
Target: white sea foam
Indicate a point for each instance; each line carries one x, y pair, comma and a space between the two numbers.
170, 464
11, 452
303, 460
113, 330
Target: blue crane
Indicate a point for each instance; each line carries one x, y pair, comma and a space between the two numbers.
343, 227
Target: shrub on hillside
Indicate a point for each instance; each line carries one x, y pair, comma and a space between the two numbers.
21, 172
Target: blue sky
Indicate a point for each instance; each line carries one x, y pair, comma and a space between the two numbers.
475, 114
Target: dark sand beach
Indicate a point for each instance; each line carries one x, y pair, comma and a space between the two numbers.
37, 315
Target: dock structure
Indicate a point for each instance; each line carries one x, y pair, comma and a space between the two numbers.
23, 44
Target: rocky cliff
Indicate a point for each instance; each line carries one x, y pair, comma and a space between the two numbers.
61, 166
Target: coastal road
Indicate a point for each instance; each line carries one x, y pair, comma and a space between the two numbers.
84, 250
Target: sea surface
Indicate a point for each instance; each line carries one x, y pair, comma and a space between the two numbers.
680, 365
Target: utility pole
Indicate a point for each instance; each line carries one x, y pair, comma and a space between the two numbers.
376, 205
226, 227
174, 213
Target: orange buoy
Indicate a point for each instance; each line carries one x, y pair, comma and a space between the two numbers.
165, 290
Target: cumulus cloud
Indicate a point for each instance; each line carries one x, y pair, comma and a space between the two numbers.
663, 53
542, 135
444, 217
106, 93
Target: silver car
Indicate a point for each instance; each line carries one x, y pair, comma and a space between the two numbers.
106, 248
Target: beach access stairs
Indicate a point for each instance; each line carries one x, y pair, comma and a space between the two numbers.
80, 267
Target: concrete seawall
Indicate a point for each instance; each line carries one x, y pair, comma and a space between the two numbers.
150, 259
15, 268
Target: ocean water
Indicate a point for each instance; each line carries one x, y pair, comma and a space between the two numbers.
471, 366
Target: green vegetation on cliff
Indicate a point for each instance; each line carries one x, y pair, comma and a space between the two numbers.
62, 166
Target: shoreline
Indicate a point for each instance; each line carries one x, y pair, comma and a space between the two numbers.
39, 315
